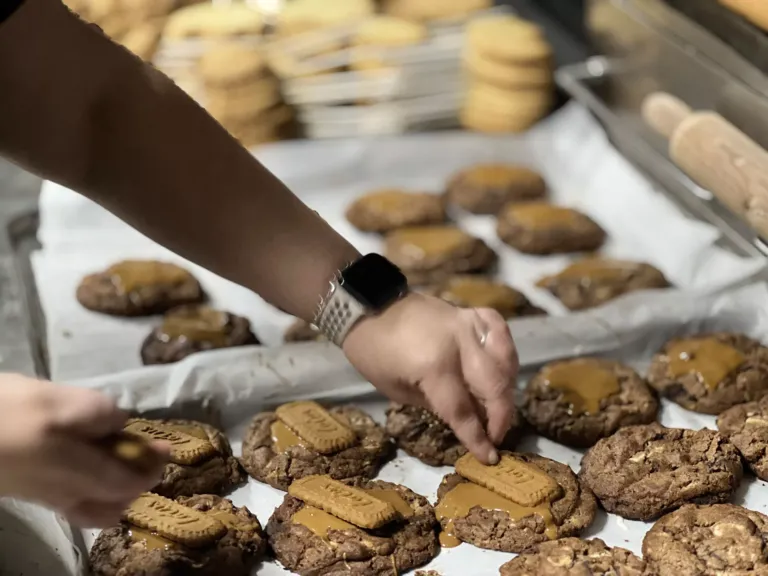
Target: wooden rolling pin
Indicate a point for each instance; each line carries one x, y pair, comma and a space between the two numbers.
715, 154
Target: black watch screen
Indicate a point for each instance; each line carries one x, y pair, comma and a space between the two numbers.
374, 281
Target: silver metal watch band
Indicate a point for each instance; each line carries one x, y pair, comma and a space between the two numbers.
339, 312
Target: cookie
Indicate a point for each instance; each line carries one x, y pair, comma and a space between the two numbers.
710, 373
508, 76
431, 254
487, 188
578, 402
230, 64
430, 10
210, 20
189, 329
642, 472
202, 535
303, 331
478, 292
746, 426
387, 210
490, 109
144, 38
540, 228
243, 103
574, 557
309, 541
469, 512
716, 540
594, 281
278, 455
139, 288
388, 31
299, 16
201, 459
423, 435
509, 39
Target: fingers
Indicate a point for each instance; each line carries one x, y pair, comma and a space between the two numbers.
449, 398
96, 514
499, 343
84, 412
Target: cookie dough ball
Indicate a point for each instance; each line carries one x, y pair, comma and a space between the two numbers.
431, 254
191, 329
139, 288
386, 210
303, 331
477, 292
273, 453
746, 426
487, 188
711, 373
473, 514
716, 540
578, 402
642, 472
540, 228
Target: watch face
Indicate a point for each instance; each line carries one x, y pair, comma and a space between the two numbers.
374, 281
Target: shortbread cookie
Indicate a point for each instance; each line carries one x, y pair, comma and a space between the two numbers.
431, 254
389, 31
507, 107
309, 540
642, 472
430, 10
539, 228
201, 459
139, 288
231, 64
478, 292
487, 188
190, 329
594, 281
509, 39
279, 451
209, 20
299, 16
505, 75
202, 535
709, 373
746, 426
386, 210
526, 500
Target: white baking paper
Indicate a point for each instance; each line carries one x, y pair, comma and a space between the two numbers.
570, 149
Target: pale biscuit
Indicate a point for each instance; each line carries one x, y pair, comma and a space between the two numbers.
144, 39
389, 31
268, 126
214, 21
509, 39
314, 424
135, 452
186, 449
231, 64
428, 10
511, 478
490, 109
506, 75
353, 505
243, 102
299, 16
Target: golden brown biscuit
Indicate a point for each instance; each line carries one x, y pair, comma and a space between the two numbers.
505, 75
478, 292
509, 39
487, 188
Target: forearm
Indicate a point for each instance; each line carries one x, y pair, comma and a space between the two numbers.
84, 112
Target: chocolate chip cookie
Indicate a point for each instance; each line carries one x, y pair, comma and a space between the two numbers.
577, 402
746, 426
709, 373
277, 454
201, 458
595, 281
574, 557
716, 540
139, 288
642, 472
487, 188
540, 228
423, 435
233, 550
189, 329
478, 292
431, 254
469, 512
303, 331
386, 210
310, 541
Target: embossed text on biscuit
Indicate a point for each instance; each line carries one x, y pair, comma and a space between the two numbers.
315, 425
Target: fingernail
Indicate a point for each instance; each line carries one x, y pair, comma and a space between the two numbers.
493, 457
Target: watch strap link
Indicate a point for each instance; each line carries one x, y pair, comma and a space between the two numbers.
338, 314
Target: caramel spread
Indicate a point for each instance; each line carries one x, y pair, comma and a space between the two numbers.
600, 269
541, 215
427, 241
708, 358
191, 430
131, 274
320, 522
479, 293
200, 324
583, 383
497, 175
283, 437
394, 498
387, 200
150, 540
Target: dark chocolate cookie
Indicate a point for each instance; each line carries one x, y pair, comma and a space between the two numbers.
308, 541
478, 292
387, 210
595, 281
189, 329
475, 515
128, 550
577, 402
746, 426
642, 472
574, 557
276, 461
716, 540
139, 288
432, 254
303, 331
424, 436
487, 188
540, 228
710, 373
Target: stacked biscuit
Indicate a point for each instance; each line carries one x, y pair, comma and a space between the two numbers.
299, 16
508, 64
434, 10
381, 33
243, 94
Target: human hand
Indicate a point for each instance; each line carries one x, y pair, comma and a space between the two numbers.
50, 451
460, 363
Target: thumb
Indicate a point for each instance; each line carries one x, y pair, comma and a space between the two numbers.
85, 413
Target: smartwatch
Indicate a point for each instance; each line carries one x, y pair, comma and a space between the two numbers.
366, 287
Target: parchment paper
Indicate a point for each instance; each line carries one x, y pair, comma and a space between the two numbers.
570, 149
